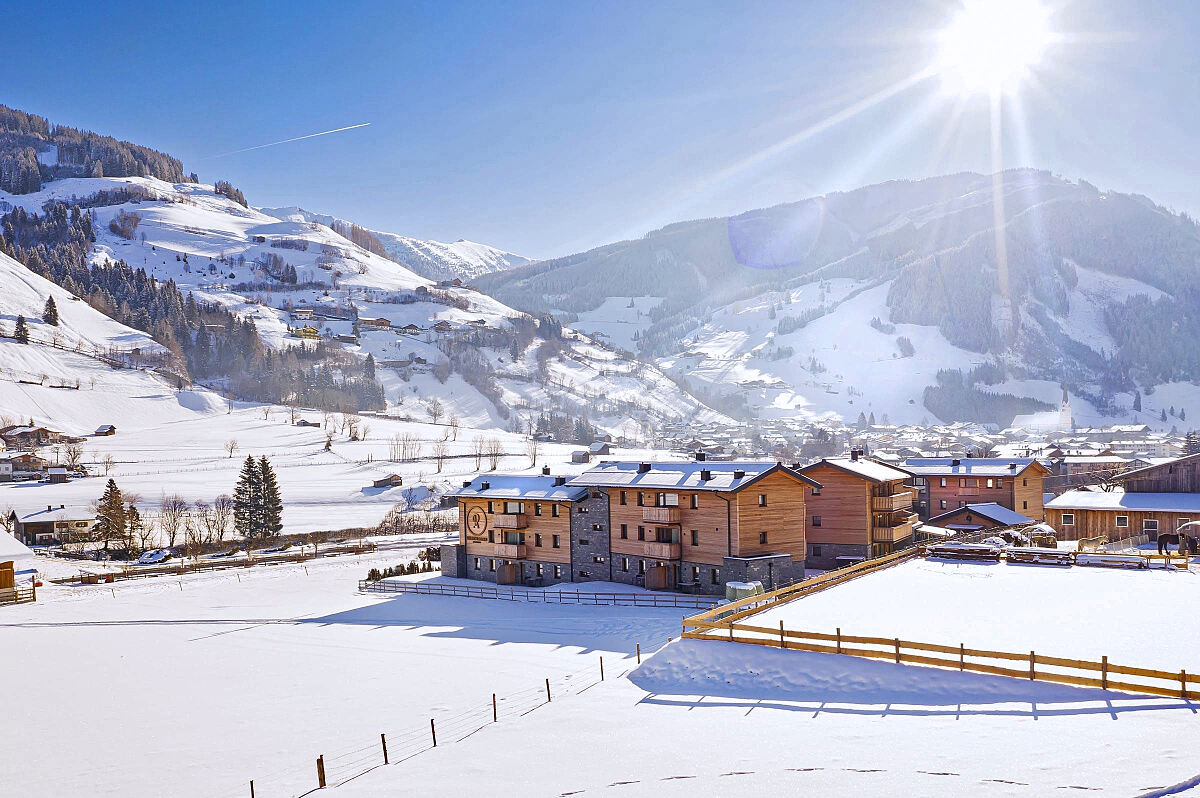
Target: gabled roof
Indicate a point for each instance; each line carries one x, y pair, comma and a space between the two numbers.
870, 470
519, 486
12, 549
1138, 472
56, 514
989, 510
727, 476
1120, 500
971, 466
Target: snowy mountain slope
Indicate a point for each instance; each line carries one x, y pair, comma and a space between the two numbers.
776, 304
462, 259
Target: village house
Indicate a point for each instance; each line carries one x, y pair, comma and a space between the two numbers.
697, 525
980, 517
862, 509
390, 481
946, 483
29, 437
59, 524
379, 323
104, 430
6, 470
308, 333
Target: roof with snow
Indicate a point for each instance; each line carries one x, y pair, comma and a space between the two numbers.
520, 486
13, 549
1120, 500
967, 466
989, 510
60, 513
726, 475
870, 470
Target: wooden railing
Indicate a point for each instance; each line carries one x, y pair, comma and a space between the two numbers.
18, 595
895, 501
510, 521
1033, 665
638, 599
660, 515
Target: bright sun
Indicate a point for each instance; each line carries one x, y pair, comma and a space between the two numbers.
991, 45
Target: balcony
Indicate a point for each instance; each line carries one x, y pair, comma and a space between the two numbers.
662, 551
511, 551
891, 534
896, 501
510, 521
660, 515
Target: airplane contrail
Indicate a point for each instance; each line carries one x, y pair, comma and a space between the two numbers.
286, 141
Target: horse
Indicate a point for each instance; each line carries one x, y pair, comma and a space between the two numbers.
1092, 544
1185, 542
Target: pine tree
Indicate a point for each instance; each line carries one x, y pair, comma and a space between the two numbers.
1137, 401
1162, 416
271, 512
50, 312
110, 512
862, 419
247, 500
871, 419
21, 333
369, 367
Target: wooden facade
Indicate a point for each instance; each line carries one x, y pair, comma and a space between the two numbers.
1178, 476
516, 530
1073, 524
851, 510
1020, 490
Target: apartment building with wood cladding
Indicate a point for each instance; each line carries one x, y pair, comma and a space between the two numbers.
863, 509
947, 483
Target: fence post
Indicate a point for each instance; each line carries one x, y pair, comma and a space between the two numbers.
321, 770
495, 711
383, 739
839, 640
1104, 672
782, 642
639, 652
602, 669
897, 651
1183, 684
433, 732
251, 788
962, 656
1032, 659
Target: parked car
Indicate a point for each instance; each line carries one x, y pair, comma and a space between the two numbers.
154, 556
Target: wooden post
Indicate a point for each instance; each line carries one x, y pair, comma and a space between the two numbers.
602, 669
383, 740
547, 691
897, 651
1032, 660
495, 711
1183, 684
433, 732
639, 652
782, 642
251, 788
321, 770
962, 657
180, 585
731, 631
1104, 672
839, 640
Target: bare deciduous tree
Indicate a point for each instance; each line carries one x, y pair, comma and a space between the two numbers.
533, 447
222, 515
439, 454
478, 448
172, 511
435, 410
108, 462
454, 423
494, 452
72, 455
231, 446
410, 447
394, 448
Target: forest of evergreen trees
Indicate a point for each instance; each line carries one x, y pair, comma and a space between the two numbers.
79, 153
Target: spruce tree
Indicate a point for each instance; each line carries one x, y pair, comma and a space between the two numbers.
21, 333
271, 512
247, 500
110, 512
369, 367
50, 312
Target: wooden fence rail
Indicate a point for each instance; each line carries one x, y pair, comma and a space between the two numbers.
542, 596
1034, 666
17, 595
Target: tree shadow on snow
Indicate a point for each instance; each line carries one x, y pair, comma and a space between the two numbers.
704, 674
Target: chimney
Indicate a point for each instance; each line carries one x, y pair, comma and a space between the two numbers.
643, 468
560, 481
1012, 466
62, 506
705, 475
485, 486
854, 455
796, 466
49, 507
700, 455
466, 483
956, 462
546, 471
739, 473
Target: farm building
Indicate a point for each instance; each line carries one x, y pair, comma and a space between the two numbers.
976, 517
105, 429
1086, 513
56, 475
52, 525
390, 481
581, 456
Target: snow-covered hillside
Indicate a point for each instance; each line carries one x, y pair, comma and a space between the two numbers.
433, 259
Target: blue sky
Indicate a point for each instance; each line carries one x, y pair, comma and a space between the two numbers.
550, 127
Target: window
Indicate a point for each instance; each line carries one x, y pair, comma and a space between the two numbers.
538, 569
816, 491
641, 566
762, 500
554, 510
476, 563
554, 541
715, 575
943, 482
491, 507
641, 533
816, 551
1150, 525
1024, 505
558, 572
762, 538
512, 508
624, 563
695, 501
695, 573
943, 503
537, 539
491, 565
583, 541
537, 508
641, 499
624, 531
695, 538
582, 509
1024, 482
623, 497
1068, 519
597, 527
1122, 521
666, 500
491, 536
999, 483
598, 560
962, 482
990, 482
816, 519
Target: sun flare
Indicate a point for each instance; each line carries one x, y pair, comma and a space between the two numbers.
992, 45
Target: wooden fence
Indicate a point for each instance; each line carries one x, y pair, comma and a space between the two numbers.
542, 596
1038, 667
17, 595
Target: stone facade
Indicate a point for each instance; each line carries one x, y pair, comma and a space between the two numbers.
824, 555
773, 570
454, 560
590, 556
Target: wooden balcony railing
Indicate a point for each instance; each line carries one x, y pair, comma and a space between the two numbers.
511, 551
896, 501
660, 515
890, 534
510, 521
662, 551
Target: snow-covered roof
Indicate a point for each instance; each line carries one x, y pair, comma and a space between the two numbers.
520, 486
60, 513
990, 510
1120, 500
978, 466
12, 549
867, 469
727, 475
